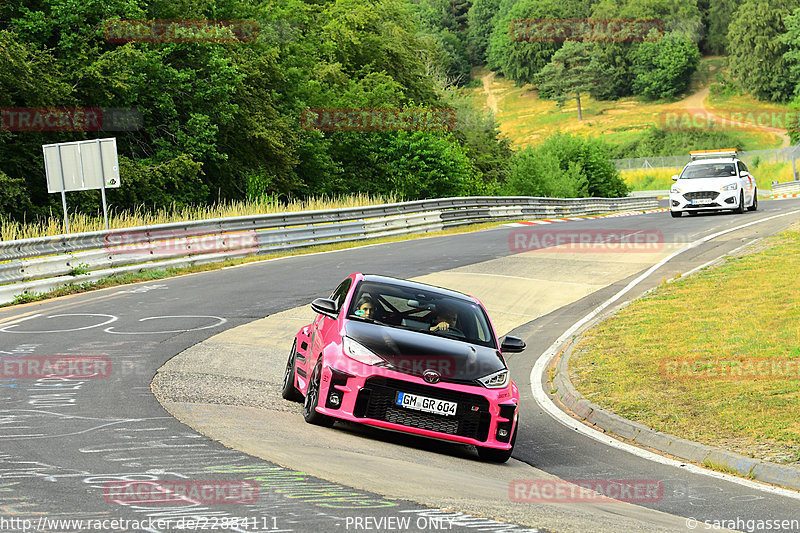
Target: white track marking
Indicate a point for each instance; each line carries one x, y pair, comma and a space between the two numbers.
544, 401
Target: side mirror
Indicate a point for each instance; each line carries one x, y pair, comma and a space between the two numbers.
675, 177
512, 344
325, 307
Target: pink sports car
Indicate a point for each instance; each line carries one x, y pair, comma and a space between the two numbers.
408, 357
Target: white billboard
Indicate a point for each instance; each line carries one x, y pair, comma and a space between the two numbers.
81, 165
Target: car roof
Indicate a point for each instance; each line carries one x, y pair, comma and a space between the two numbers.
719, 160
421, 286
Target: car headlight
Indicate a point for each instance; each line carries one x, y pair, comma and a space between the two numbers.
731, 187
675, 190
498, 380
356, 351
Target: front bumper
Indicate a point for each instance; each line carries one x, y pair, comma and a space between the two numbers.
366, 395
718, 200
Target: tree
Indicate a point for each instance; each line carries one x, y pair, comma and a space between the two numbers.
568, 74
513, 56
718, 15
664, 68
756, 51
479, 27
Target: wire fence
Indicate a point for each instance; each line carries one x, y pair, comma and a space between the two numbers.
773, 155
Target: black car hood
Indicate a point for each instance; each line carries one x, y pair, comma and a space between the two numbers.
412, 352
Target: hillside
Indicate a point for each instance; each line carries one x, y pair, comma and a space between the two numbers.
526, 120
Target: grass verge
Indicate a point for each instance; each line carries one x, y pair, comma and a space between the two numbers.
713, 358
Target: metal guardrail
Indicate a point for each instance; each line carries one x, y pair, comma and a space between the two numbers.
784, 188
45, 263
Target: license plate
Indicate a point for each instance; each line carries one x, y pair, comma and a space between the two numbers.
428, 405
701, 201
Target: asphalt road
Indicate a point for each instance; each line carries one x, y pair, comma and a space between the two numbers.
63, 443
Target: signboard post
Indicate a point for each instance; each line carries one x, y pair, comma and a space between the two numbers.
82, 166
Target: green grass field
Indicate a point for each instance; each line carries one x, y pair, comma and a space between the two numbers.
718, 367
526, 119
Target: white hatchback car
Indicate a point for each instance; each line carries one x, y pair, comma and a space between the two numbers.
713, 180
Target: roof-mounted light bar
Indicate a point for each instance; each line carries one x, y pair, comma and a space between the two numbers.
732, 153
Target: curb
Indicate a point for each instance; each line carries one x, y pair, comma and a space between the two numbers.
569, 219
643, 436
781, 196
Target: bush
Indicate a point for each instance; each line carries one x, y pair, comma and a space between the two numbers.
565, 166
663, 68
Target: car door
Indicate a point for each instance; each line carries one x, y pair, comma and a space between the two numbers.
747, 183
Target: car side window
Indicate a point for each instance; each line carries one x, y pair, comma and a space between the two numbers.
340, 293
742, 167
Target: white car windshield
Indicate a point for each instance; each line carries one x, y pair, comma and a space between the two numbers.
709, 170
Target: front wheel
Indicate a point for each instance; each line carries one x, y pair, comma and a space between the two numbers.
289, 391
739, 210
493, 455
755, 201
310, 413
675, 214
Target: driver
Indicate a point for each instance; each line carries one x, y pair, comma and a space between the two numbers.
366, 307
444, 318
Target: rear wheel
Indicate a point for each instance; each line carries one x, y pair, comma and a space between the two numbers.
310, 413
675, 214
739, 210
289, 391
755, 201
493, 455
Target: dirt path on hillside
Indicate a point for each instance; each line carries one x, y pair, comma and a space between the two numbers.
491, 100
695, 104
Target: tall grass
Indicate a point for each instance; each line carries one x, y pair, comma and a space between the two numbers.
649, 179
79, 222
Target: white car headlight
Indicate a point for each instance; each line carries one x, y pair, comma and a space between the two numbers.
731, 187
498, 380
356, 351
675, 190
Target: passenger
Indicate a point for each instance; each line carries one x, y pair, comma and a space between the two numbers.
444, 318
365, 307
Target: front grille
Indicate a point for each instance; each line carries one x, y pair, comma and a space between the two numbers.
711, 195
377, 401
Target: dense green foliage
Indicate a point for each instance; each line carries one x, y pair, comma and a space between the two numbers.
663, 68
224, 120
565, 166
756, 49
657, 142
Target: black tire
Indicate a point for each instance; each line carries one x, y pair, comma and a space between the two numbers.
289, 391
739, 210
310, 413
675, 214
755, 201
493, 455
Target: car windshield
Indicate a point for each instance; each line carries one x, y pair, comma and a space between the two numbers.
420, 310
710, 170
